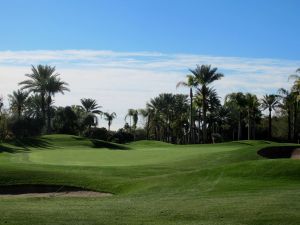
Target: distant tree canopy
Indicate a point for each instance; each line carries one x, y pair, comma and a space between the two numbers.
198, 117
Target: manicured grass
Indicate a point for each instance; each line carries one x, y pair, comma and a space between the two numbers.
152, 182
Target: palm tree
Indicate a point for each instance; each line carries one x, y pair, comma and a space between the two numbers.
155, 119
252, 104
34, 106
296, 93
237, 100
212, 103
90, 106
133, 116
109, 117
46, 82
18, 101
145, 113
38, 81
201, 77
1, 104
54, 85
270, 102
191, 83
168, 117
92, 109
288, 99
296, 85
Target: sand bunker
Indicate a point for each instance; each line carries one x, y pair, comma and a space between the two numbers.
47, 191
296, 154
276, 152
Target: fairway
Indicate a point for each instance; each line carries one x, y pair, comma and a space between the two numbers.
151, 183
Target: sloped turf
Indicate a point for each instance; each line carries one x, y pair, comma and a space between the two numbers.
152, 183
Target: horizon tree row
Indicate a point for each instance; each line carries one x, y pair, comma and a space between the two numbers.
32, 111
201, 118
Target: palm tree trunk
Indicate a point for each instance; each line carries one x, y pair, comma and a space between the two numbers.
204, 121
148, 124
49, 114
249, 125
19, 112
254, 130
43, 107
289, 124
48, 120
270, 123
199, 124
295, 121
191, 115
240, 126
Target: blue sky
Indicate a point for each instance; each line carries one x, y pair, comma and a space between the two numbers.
253, 28
122, 53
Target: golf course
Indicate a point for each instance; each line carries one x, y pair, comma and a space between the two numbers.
147, 182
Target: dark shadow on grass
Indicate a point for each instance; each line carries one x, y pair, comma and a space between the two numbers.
32, 142
8, 149
109, 145
39, 188
79, 138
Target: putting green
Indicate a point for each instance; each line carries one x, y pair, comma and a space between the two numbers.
106, 157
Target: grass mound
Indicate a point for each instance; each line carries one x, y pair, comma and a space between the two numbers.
153, 182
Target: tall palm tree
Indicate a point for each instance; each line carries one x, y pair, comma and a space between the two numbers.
191, 83
288, 99
212, 103
38, 81
296, 85
201, 77
92, 109
155, 119
146, 114
18, 101
252, 104
270, 102
237, 100
296, 93
109, 117
44, 81
133, 118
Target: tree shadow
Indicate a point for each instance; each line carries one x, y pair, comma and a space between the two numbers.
109, 145
8, 149
79, 138
31, 143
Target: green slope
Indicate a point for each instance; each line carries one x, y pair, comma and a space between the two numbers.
153, 183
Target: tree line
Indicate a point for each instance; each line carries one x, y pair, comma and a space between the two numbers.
198, 117
32, 111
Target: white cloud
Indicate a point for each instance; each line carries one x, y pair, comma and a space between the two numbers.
122, 80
